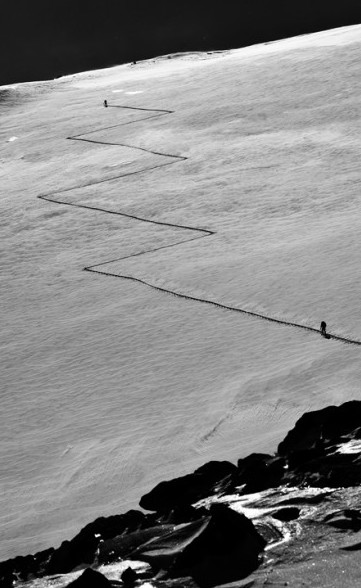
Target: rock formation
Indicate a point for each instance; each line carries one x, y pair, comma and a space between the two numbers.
197, 534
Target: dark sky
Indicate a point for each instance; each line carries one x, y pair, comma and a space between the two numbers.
47, 38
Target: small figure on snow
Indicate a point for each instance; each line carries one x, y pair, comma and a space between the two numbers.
323, 329
105, 103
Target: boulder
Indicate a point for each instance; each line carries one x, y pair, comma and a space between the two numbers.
90, 579
223, 547
129, 577
324, 469
311, 448
83, 547
260, 471
122, 546
320, 428
25, 567
180, 514
8, 581
205, 481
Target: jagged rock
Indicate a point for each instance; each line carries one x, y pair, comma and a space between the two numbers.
8, 581
311, 449
26, 566
219, 545
333, 470
320, 428
90, 579
82, 548
129, 577
124, 545
205, 481
260, 471
221, 548
286, 514
181, 514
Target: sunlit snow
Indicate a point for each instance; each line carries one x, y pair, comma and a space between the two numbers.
109, 385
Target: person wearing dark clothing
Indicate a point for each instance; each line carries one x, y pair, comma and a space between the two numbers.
323, 329
105, 103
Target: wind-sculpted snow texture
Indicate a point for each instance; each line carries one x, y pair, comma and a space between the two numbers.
204, 232
228, 184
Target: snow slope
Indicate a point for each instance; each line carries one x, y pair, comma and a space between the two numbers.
109, 385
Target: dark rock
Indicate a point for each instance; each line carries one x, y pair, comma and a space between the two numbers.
129, 577
286, 514
311, 448
260, 471
352, 547
209, 479
124, 545
8, 581
347, 519
26, 566
223, 547
161, 552
323, 427
181, 514
90, 579
219, 545
83, 547
228, 550
333, 470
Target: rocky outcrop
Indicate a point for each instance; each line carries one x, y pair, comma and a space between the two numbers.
316, 451
209, 479
90, 579
193, 538
259, 471
129, 577
220, 547
321, 428
26, 566
227, 549
82, 548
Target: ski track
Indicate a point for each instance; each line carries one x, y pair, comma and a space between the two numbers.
204, 232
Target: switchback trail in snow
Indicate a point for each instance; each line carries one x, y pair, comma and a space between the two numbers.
202, 232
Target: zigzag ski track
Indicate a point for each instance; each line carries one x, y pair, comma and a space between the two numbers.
201, 231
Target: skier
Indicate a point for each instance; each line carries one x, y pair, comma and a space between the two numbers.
323, 329
105, 103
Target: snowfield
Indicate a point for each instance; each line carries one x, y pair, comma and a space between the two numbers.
110, 385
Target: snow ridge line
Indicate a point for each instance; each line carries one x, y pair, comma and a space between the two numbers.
206, 232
